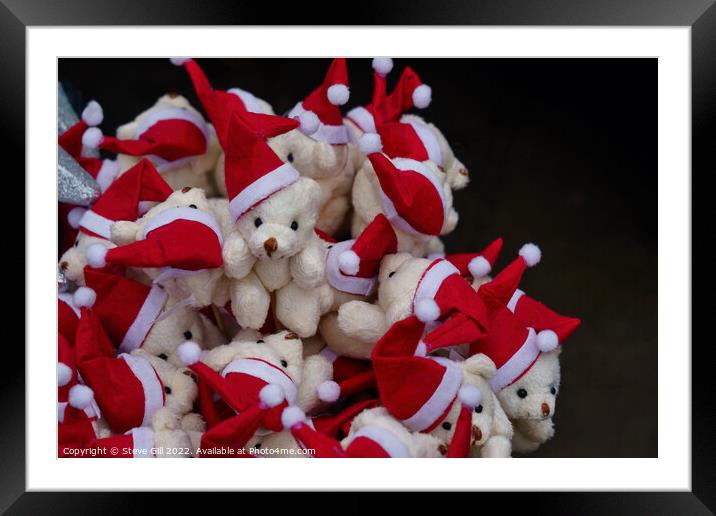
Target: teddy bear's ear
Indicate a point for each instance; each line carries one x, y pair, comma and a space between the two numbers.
480, 365
391, 262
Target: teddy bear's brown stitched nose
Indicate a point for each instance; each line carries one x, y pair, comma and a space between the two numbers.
271, 245
476, 433
64, 265
443, 449
463, 172
545, 409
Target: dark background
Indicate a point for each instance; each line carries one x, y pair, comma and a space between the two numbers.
562, 152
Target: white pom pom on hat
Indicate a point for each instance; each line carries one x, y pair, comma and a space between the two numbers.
179, 61
291, 416
92, 137
338, 94
84, 296
531, 254
479, 267
470, 395
92, 113
349, 262
309, 122
271, 395
96, 256
370, 143
74, 216
422, 96
80, 397
329, 391
64, 374
547, 341
427, 310
189, 353
382, 65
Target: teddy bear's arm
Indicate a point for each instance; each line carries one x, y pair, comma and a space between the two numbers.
316, 370
363, 321
249, 301
238, 260
308, 266
124, 232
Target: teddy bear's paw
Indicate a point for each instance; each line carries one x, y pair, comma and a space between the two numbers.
172, 444
124, 232
362, 321
193, 422
523, 444
298, 309
165, 419
497, 446
238, 260
250, 302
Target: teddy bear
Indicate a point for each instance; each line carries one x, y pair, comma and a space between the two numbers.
358, 325
173, 135
449, 398
178, 245
123, 200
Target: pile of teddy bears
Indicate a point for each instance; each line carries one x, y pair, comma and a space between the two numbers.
208, 311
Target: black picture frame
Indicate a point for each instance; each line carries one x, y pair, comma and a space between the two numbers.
700, 15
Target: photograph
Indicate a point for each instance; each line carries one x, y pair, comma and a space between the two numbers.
357, 257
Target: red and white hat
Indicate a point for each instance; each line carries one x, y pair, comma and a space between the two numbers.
253, 171
470, 397
511, 344
103, 170
181, 240
352, 265
408, 93
68, 316
137, 443
169, 137
350, 376
442, 291
236, 431
128, 309
417, 390
319, 113
121, 201
412, 196
241, 382
323, 446
127, 389
66, 368
403, 140
552, 328
477, 265
339, 424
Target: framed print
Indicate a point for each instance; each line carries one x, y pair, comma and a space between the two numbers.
469, 239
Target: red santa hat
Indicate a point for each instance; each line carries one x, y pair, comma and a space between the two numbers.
417, 390
442, 291
241, 382
126, 388
335, 425
321, 106
477, 265
74, 436
128, 309
68, 316
403, 140
323, 446
412, 196
364, 116
121, 201
352, 265
253, 172
236, 431
103, 170
181, 240
169, 137
66, 368
470, 397
137, 443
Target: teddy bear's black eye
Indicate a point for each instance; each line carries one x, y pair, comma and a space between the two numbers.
447, 425
290, 157
258, 221
522, 393
330, 246
294, 225
187, 335
193, 206
478, 409
162, 356
168, 390
391, 274
284, 363
260, 341
77, 242
553, 390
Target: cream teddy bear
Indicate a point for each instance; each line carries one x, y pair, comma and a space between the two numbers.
530, 402
194, 170
189, 268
